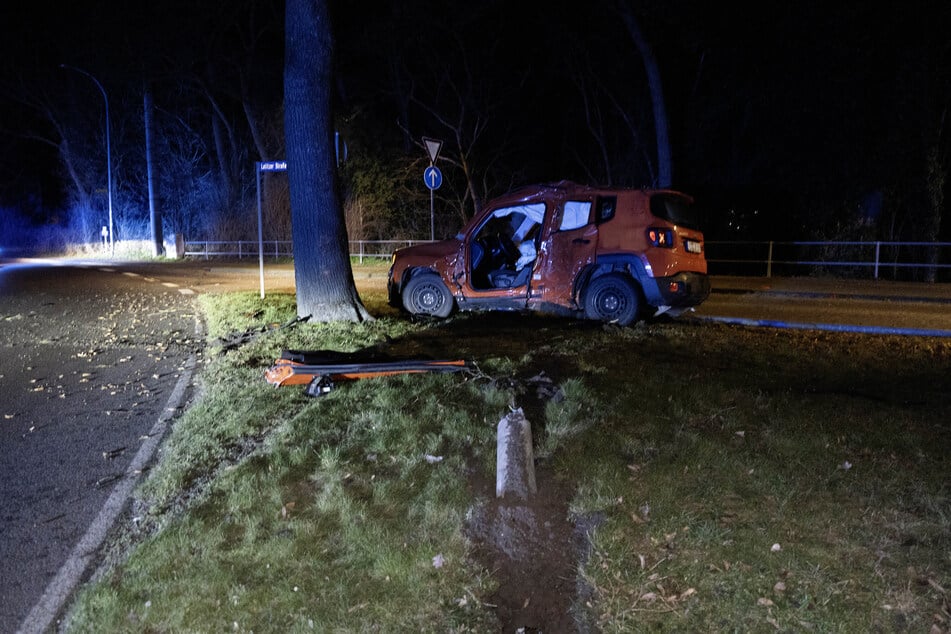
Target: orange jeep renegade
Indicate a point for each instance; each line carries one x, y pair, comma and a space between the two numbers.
607, 254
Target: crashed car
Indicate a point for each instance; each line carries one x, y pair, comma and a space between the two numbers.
613, 255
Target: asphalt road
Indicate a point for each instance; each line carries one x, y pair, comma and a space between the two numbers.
865, 304
88, 358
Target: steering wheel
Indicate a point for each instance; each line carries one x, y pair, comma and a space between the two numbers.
507, 248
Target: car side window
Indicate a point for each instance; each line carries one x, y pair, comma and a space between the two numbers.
577, 213
606, 207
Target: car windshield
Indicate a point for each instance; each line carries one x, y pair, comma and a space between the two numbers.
675, 209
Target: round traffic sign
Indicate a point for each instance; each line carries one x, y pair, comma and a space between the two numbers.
432, 177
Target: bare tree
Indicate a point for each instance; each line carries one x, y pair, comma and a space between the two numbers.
936, 181
155, 214
324, 278
465, 122
73, 149
664, 159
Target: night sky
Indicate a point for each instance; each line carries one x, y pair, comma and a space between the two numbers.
808, 112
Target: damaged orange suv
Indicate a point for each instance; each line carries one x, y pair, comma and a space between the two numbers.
612, 255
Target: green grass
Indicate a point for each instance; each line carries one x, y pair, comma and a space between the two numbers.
698, 483
694, 449
306, 514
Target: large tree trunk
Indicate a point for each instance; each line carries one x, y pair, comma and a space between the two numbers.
325, 288
664, 161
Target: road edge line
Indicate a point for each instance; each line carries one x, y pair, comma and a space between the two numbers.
60, 589
795, 325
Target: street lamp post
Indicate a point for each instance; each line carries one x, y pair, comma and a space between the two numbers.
112, 245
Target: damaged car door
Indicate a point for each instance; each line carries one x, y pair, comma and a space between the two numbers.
569, 244
499, 255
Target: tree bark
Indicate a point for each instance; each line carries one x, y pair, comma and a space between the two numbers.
936, 177
155, 214
664, 159
322, 272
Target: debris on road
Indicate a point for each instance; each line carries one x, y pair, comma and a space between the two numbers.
236, 340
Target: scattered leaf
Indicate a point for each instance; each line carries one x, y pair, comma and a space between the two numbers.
766, 603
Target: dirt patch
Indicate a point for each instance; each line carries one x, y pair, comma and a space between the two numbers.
532, 551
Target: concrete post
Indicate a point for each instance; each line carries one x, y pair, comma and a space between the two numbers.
515, 460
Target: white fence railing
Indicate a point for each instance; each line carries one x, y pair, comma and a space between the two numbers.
359, 249
858, 259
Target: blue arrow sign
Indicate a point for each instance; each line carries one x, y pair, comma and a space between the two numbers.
432, 177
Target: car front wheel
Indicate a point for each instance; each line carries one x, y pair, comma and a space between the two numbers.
425, 294
612, 298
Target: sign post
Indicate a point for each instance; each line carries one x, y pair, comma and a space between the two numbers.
432, 177
265, 166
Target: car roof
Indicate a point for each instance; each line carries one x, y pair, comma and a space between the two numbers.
565, 188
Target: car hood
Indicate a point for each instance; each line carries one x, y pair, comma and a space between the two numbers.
431, 251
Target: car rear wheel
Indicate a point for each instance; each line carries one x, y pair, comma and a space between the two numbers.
425, 294
612, 298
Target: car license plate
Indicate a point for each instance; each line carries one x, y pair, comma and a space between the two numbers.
692, 246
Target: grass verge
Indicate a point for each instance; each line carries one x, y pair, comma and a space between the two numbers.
737, 480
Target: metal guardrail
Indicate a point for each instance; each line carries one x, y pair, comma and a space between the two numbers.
359, 249
237, 248
872, 258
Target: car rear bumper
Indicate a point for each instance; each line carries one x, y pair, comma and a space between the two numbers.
682, 290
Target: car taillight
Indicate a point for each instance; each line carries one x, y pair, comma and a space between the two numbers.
660, 237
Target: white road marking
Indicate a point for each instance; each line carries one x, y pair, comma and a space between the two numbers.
58, 591
170, 284
131, 274
186, 291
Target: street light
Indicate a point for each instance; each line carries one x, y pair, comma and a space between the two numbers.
112, 245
